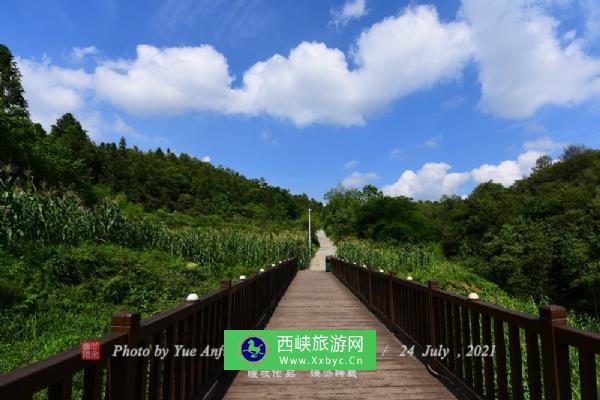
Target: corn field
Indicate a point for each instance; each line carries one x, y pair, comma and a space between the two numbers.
31, 215
405, 258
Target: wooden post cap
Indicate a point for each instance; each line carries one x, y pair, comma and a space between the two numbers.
552, 312
125, 319
226, 283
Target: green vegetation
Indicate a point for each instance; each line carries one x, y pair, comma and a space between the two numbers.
533, 243
66, 158
28, 215
424, 264
65, 268
427, 263
53, 297
87, 229
536, 242
539, 238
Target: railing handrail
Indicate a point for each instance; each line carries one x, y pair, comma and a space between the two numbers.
43, 373
429, 315
54, 371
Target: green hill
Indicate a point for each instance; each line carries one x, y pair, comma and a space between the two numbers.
88, 229
539, 238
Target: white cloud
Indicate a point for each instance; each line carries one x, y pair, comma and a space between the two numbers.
267, 137
166, 81
434, 180
535, 127
93, 123
592, 23
395, 153
121, 127
79, 53
52, 91
570, 36
206, 159
525, 67
507, 172
433, 142
520, 70
454, 102
350, 164
352, 9
543, 144
413, 51
429, 183
314, 84
357, 180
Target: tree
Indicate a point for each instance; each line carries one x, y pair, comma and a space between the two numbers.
67, 158
11, 91
542, 162
68, 129
63, 123
339, 217
393, 219
573, 150
370, 192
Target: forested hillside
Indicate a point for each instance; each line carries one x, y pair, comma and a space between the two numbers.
89, 229
66, 158
539, 238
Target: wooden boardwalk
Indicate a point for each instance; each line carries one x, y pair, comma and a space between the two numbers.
318, 300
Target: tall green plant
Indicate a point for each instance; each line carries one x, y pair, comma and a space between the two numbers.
31, 215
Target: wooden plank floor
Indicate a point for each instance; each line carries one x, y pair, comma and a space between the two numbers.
318, 300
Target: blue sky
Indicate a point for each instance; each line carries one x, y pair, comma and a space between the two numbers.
419, 98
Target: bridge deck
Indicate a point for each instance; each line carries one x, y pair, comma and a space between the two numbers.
318, 300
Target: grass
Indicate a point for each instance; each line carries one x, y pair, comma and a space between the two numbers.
425, 263
53, 297
65, 268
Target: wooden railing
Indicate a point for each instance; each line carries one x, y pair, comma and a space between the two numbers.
243, 304
530, 355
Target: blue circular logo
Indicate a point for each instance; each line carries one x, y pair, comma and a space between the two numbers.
253, 349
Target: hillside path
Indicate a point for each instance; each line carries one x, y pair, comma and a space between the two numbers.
326, 248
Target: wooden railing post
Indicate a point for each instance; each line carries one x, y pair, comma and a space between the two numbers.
551, 316
370, 285
391, 296
122, 369
226, 284
431, 286
357, 282
256, 306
